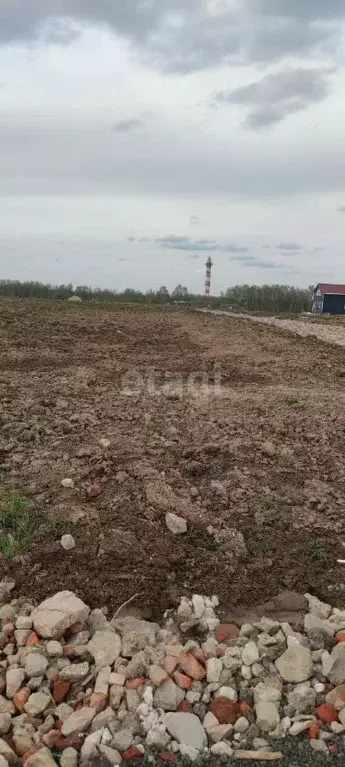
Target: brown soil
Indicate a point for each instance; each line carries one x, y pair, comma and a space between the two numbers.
275, 521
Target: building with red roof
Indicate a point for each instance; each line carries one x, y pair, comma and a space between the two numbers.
329, 298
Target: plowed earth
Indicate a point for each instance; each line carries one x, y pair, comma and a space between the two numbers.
261, 517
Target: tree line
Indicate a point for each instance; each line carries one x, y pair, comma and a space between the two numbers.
257, 298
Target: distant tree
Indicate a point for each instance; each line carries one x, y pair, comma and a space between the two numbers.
180, 292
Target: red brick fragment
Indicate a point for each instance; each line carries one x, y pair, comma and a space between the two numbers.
327, 713
60, 690
131, 753
225, 710
226, 631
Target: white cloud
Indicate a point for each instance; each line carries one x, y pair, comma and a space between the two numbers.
108, 132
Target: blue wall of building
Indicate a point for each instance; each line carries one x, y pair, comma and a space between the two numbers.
333, 304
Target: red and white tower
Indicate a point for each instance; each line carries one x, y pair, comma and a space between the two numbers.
209, 265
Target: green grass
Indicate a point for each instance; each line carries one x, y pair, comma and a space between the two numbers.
19, 524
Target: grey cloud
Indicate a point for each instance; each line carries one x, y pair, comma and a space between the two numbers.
341, 209
178, 242
192, 257
307, 9
275, 96
124, 126
289, 246
251, 262
194, 220
185, 37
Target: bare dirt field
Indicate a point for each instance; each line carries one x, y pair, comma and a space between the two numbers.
255, 465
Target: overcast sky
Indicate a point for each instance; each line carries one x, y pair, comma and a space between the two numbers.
139, 136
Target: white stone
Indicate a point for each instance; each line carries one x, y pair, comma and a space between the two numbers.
69, 758
74, 672
267, 716
319, 746
105, 443
296, 664
35, 665
79, 721
191, 753
298, 727
54, 649
250, 654
3, 761
14, 680
118, 679
116, 694
123, 739
157, 736
67, 482
222, 749
219, 732
157, 675
37, 703
67, 542
5, 723
319, 687
102, 681
168, 696
336, 674
110, 754
42, 758
63, 711
242, 725
214, 668
227, 692
105, 647
210, 720
58, 613
177, 525
246, 672
321, 609
186, 729
198, 605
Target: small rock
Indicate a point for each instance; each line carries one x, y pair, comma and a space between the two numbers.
186, 729
250, 654
191, 666
214, 668
69, 758
268, 448
110, 754
67, 482
93, 491
321, 609
79, 721
42, 758
176, 525
157, 675
105, 443
5, 723
168, 696
54, 649
67, 542
225, 710
319, 746
35, 665
336, 673
14, 679
222, 749
267, 716
242, 725
296, 664
123, 739
37, 703
56, 614
105, 647
74, 672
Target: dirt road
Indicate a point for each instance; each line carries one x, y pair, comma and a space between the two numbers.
313, 326
251, 453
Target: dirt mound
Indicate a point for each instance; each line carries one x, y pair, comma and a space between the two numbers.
232, 425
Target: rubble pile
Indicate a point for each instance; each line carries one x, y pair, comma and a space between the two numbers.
76, 687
